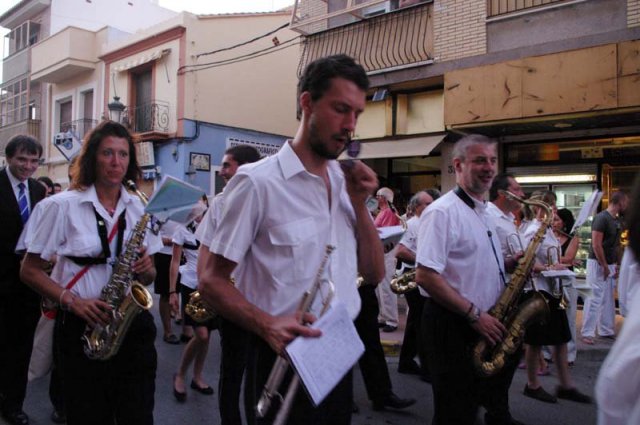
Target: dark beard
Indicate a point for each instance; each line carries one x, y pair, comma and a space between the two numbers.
317, 146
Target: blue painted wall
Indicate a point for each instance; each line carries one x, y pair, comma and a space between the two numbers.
173, 157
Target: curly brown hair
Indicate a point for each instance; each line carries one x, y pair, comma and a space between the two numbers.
83, 170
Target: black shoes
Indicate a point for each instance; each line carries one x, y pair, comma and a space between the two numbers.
409, 368
389, 328
539, 394
394, 402
206, 390
17, 417
171, 339
573, 394
179, 395
58, 417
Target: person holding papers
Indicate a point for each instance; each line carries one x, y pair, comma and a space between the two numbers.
279, 216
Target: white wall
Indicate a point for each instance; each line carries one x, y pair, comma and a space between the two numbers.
125, 15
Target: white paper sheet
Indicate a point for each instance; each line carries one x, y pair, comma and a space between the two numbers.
174, 200
567, 277
322, 362
588, 209
390, 234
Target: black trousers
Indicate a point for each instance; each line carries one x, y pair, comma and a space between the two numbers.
103, 392
373, 364
19, 315
411, 340
234, 341
457, 390
334, 410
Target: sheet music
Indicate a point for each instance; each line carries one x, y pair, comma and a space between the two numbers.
588, 209
174, 200
567, 277
322, 362
390, 234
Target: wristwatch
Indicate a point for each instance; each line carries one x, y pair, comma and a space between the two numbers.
473, 315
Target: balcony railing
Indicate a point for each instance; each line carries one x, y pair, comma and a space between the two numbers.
501, 7
149, 117
393, 40
78, 127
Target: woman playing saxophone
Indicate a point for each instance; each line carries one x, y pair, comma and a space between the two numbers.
88, 227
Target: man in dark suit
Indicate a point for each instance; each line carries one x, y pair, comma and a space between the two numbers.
19, 305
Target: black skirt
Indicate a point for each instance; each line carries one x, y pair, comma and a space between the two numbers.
162, 264
555, 331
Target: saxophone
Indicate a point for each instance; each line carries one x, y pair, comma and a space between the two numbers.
487, 360
200, 310
126, 297
404, 283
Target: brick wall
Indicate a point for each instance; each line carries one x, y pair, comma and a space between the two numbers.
633, 13
308, 9
460, 28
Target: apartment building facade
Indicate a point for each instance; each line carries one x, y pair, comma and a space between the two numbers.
50, 82
555, 81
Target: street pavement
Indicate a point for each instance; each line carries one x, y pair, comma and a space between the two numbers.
202, 409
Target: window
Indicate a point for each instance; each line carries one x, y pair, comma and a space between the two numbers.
21, 37
13, 103
65, 111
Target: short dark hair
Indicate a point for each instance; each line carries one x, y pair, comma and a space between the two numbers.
23, 142
47, 181
57, 185
243, 154
316, 77
617, 197
633, 218
84, 167
500, 182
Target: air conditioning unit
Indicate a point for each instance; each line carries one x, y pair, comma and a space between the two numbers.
378, 9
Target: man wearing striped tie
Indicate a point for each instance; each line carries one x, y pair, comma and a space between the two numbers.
19, 305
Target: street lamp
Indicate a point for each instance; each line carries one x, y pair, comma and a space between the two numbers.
115, 109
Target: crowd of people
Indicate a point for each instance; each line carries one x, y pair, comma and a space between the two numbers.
263, 242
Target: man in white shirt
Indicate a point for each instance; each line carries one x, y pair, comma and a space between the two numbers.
460, 267
19, 305
279, 216
233, 339
406, 252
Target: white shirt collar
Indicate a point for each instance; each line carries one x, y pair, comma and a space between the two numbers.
90, 195
15, 181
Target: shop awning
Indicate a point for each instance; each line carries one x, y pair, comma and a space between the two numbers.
141, 60
417, 146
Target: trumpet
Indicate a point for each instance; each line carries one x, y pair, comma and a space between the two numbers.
514, 243
553, 257
281, 365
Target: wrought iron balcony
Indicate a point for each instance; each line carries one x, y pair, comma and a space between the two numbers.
78, 127
148, 118
395, 40
502, 7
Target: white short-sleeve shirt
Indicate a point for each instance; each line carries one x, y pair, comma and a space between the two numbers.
183, 236
276, 224
66, 226
410, 237
454, 241
542, 283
